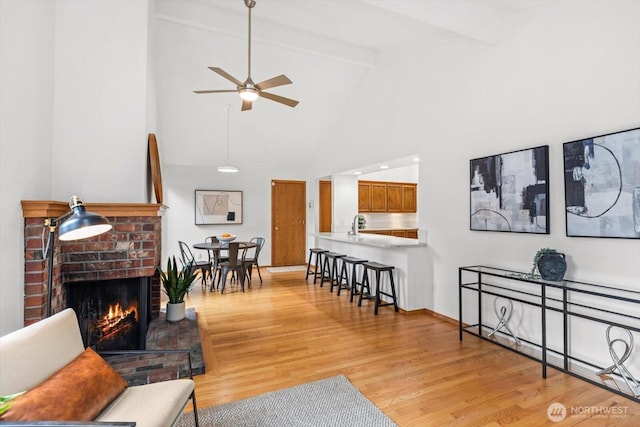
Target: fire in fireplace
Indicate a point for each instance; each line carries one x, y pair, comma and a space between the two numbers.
113, 314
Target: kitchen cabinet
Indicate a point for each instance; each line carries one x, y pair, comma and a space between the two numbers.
409, 198
406, 233
364, 196
401, 197
394, 197
378, 197
381, 196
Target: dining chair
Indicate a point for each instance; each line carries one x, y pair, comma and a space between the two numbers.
216, 256
202, 265
235, 264
251, 260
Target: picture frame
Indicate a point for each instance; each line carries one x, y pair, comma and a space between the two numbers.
602, 185
218, 207
509, 192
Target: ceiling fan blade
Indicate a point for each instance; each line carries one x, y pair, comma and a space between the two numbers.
226, 75
214, 91
280, 80
246, 105
280, 99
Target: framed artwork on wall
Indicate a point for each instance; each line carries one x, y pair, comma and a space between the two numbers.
602, 185
510, 192
218, 207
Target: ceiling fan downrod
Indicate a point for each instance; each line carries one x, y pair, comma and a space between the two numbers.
250, 4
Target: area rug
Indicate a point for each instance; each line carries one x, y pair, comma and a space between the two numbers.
287, 269
329, 402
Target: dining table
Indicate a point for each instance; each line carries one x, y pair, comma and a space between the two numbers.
218, 246
215, 247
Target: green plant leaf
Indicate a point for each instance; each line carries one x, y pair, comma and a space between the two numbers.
5, 401
176, 282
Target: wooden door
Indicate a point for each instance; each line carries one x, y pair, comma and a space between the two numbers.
325, 207
288, 229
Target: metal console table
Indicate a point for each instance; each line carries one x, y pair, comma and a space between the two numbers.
576, 303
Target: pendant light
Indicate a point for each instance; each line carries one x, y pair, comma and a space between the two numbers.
227, 167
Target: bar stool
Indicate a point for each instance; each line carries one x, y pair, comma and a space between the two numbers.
351, 283
330, 266
318, 253
377, 267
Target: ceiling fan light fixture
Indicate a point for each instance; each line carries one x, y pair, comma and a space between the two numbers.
249, 94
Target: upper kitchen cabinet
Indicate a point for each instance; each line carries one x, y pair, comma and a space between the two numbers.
409, 198
394, 197
380, 196
401, 197
364, 196
372, 196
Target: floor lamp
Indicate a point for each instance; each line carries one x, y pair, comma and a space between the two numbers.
73, 225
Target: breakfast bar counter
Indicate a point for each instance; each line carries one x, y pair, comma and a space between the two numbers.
408, 256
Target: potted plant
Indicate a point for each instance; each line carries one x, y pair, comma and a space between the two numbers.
176, 282
5, 401
550, 263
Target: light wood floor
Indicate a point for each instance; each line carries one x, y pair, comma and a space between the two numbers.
411, 366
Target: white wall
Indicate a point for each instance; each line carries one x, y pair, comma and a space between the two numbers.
344, 202
74, 116
100, 101
554, 82
26, 74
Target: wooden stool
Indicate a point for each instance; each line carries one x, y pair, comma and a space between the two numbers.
330, 267
318, 252
350, 283
377, 267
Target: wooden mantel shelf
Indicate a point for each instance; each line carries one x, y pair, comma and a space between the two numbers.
53, 209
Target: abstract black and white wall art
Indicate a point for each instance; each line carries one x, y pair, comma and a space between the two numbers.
509, 192
218, 207
602, 185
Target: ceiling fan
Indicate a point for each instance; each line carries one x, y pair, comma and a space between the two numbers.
250, 91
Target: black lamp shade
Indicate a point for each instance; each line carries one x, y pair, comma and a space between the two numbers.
82, 224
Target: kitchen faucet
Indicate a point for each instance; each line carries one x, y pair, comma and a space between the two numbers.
354, 226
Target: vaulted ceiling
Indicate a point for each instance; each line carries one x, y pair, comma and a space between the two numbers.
324, 46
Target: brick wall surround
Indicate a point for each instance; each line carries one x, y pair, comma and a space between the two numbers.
131, 249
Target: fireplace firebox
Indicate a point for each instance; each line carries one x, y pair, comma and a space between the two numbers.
113, 314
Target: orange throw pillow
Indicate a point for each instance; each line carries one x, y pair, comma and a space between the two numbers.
77, 392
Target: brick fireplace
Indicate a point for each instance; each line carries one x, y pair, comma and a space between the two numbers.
132, 249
